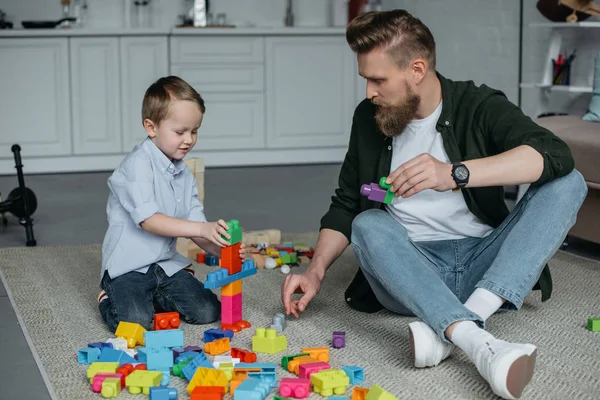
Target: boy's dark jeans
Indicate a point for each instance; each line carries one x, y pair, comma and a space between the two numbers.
131, 298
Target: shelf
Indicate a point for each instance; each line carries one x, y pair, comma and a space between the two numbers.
584, 24
558, 88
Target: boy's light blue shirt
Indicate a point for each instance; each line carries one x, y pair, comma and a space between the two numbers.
145, 183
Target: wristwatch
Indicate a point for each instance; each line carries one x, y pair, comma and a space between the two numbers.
460, 174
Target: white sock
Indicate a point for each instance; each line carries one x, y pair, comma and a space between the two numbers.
483, 303
468, 336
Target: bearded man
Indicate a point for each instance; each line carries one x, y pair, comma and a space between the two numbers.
446, 250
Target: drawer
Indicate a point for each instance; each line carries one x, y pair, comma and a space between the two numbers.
207, 49
222, 77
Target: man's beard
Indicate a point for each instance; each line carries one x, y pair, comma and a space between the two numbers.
392, 120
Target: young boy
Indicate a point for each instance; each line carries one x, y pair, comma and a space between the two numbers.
153, 200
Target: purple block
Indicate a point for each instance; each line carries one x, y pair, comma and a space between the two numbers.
193, 348
339, 340
374, 192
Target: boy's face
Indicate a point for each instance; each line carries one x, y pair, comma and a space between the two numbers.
176, 135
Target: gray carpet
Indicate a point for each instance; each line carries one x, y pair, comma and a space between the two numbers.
53, 290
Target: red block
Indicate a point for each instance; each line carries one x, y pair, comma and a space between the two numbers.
230, 258
168, 320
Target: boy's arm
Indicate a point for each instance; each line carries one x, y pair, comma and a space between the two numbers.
163, 225
207, 246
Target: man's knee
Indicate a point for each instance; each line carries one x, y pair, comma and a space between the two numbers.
368, 223
574, 183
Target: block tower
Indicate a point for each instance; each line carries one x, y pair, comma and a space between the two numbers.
229, 279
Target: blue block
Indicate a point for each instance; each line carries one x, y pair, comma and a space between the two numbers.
251, 389
113, 355
283, 253
264, 367
156, 359
270, 378
88, 355
163, 338
214, 334
166, 378
356, 374
100, 345
185, 355
200, 361
221, 277
337, 398
163, 393
211, 260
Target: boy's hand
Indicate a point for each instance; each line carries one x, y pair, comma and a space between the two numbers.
212, 232
243, 252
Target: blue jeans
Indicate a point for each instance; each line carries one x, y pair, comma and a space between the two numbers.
132, 297
432, 279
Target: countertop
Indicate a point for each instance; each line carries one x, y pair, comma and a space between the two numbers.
212, 31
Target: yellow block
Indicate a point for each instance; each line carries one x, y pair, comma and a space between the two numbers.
111, 387
208, 377
330, 381
99, 366
231, 289
377, 393
268, 341
131, 332
140, 381
227, 369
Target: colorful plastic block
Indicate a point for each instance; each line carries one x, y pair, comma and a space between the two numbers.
200, 258
163, 393
168, 320
113, 355
88, 355
245, 356
98, 367
359, 393
278, 322
218, 360
178, 368
158, 358
186, 355
221, 277
99, 378
234, 231
163, 338
265, 367
268, 341
230, 258
207, 377
306, 370
294, 365
118, 343
355, 374
211, 261
320, 353
378, 192
100, 345
269, 378
594, 324
338, 340
251, 389
377, 393
140, 381
133, 333
200, 361
330, 381
232, 288
207, 393
337, 398
127, 369
218, 346
111, 387
286, 359
298, 388
231, 308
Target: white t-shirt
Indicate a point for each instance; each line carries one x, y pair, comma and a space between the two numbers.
431, 215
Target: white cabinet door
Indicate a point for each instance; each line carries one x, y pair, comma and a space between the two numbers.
143, 61
311, 91
96, 95
34, 105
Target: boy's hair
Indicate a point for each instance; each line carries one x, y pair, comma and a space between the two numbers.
403, 36
159, 95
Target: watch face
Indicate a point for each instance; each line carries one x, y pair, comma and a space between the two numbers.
461, 173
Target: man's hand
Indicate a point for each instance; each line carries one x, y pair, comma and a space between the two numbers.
308, 283
420, 173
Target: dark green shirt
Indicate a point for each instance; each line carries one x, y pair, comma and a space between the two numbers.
475, 122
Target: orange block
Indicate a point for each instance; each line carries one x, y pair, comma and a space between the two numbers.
231, 289
207, 393
230, 258
359, 393
320, 353
218, 346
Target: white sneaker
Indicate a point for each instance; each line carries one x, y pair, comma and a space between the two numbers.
508, 367
427, 347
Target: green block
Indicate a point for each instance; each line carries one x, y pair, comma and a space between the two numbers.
286, 359
389, 196
377, 393
594, 324
178, 368
285, 258
235, 231
293, 258
281, 398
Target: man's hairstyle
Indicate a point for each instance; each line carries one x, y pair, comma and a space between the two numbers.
159, 95
403, 36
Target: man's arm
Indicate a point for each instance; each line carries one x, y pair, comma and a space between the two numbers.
514, 135
330, 245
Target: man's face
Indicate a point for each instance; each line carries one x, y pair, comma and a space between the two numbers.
389, 87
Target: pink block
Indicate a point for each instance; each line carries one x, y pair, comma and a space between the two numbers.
231, 302
100, 377
230, 316
294, 387
306, 370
